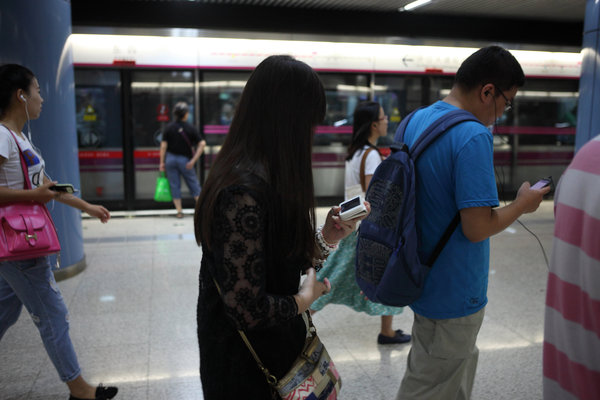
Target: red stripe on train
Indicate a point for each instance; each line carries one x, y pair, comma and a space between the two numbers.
534, 130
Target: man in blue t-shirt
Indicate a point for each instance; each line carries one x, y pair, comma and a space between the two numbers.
456, 174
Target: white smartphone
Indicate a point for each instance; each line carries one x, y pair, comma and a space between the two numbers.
352, 208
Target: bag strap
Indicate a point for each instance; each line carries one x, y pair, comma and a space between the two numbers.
363, 161
362, 169
24, 169
187, 140
271, 379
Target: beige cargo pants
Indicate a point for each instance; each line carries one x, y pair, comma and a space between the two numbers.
443, 358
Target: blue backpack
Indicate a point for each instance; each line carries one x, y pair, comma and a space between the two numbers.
388, 267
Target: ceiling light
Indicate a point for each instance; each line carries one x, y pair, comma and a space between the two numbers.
414, 4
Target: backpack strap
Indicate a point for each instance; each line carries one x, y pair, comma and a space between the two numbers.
445, 237
434, 131
438, 128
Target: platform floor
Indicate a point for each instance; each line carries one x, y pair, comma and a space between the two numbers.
133, 320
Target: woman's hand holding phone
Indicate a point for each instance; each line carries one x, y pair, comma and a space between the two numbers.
336, 229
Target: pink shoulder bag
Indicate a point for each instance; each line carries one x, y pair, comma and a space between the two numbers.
26, 227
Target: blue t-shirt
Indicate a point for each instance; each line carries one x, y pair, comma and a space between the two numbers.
454, 172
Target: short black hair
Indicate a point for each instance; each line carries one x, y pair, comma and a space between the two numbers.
491, 64
181, 108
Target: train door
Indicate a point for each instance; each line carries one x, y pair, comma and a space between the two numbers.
100, 135
153, 95
399, 95
343, 92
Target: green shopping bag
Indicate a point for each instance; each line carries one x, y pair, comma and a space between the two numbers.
163, 191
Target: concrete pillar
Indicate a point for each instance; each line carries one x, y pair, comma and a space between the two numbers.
588, 117
35, 33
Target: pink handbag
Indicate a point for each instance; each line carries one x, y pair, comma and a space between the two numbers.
26, 227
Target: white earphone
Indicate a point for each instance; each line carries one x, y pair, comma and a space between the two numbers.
23, 98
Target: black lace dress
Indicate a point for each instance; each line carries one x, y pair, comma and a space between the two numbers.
257, 285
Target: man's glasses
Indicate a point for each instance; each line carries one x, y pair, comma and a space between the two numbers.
508, 103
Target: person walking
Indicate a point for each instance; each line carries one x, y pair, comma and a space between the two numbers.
456, 175
369, 124
30, 282
255, 221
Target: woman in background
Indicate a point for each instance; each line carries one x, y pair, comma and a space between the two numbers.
180, 148
370, 123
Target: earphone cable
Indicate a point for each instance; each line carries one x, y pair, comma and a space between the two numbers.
501, 187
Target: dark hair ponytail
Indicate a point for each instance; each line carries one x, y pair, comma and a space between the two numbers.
365, 114
12, 78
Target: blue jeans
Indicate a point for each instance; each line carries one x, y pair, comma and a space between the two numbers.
31, 283
175, 166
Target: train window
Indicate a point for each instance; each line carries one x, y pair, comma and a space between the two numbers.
343, 92
398, 95
545, 112
99, 134
154, 94
220, 93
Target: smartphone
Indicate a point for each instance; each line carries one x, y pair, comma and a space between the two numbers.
352, 208
63, 188
542, 183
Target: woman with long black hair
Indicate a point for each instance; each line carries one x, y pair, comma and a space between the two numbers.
369, 124
255, 221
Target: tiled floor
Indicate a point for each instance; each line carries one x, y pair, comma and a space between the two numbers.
133, 320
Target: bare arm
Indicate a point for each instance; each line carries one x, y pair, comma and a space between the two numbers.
198, 152
163, 152
73, 201
479, 223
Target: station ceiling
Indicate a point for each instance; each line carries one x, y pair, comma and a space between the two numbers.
545, 23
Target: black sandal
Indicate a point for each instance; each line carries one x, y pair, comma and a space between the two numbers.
102, 393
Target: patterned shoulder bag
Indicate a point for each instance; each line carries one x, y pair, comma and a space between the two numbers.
313, 374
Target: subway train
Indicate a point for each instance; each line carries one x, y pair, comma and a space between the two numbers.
126, 86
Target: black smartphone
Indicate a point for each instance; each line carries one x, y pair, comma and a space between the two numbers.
63, 188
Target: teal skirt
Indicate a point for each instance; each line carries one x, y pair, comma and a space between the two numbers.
339, 269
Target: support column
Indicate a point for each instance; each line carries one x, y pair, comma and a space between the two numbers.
588, 117
35, 33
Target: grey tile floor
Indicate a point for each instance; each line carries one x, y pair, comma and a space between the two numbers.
133, 320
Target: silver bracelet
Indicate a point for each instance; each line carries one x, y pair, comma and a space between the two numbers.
326, 248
